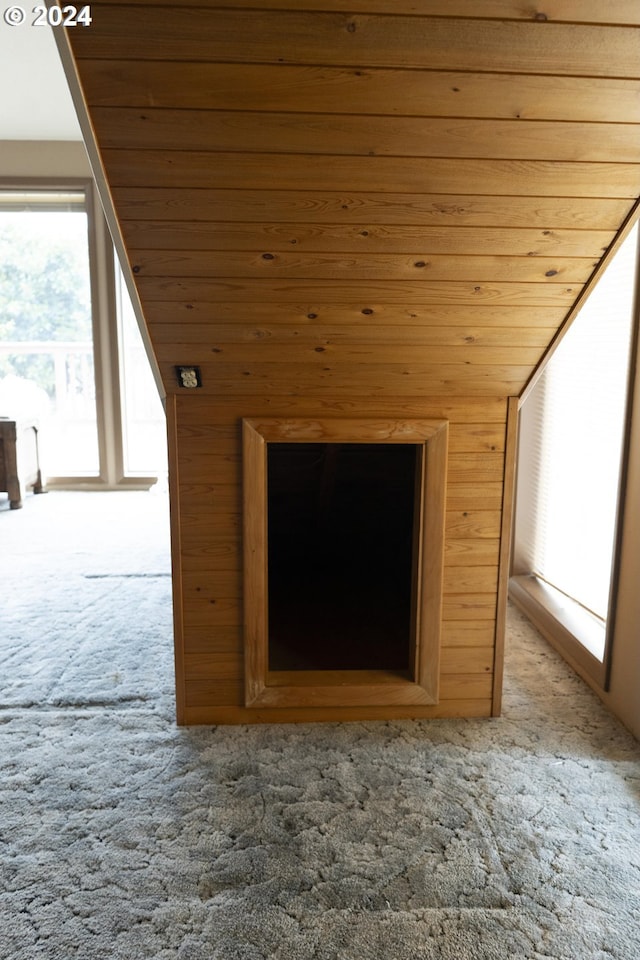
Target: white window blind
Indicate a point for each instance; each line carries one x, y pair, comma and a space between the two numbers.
575, 423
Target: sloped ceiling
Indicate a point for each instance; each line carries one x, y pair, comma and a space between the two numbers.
382, 209
424, 184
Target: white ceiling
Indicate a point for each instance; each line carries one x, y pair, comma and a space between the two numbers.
35, 103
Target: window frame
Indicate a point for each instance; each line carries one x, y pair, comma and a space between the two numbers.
563, 621
102, 279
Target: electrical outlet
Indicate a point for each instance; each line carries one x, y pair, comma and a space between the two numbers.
189, 377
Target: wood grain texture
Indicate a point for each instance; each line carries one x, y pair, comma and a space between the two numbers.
214, 356
179, 632
313, 688
335, 90
459, 688
420, 266
183, 205
201, 169
211, 412
364, 136
174, 336
392, 380
200, 235
370, 294
204, 697
343, 39
380, 209
624, 12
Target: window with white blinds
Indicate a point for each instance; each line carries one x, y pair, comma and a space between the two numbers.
573, 428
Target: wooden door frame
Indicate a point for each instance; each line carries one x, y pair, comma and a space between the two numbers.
343, 688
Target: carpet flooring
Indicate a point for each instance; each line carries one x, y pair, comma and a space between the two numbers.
123, 836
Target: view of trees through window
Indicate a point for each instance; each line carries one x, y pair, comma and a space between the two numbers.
46, 348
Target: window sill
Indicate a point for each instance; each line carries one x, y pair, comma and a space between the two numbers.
575, 633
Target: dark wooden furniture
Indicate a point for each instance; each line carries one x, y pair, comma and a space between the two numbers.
19, 460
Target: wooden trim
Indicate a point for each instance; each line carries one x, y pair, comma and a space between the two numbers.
254, 458
105, 344
368, 688
431, 561
418, 497
225, 714
623, 488
508, 497
176, 562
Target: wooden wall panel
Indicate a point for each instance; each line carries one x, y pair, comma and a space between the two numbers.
363, 266
365, 296
183, 205
342, 90
211, 551
198, 236
296, 133
311, 172
624, 12
271, 36
379, 208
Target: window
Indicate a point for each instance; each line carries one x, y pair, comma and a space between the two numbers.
144, 434
71, 353
46, 338
571, 445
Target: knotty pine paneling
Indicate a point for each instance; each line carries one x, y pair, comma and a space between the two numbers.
367, 295
295, 133
176, 336
211, 548
212, 665
337, 90
318, 355
271, 36
362, 381
383, 208
203, 693
361, 266
370, 238
624, 12
310, 172
184, 205
463, 437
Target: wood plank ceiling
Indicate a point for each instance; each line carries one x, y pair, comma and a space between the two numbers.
381, 206
469, 165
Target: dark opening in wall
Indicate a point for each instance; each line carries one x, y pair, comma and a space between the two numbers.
341, 555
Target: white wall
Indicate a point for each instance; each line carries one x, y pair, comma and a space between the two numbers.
624, 695
35, 103
47, 158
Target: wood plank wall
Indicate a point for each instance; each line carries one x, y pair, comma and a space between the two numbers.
381, 207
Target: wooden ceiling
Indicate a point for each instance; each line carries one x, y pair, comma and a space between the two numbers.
426, 185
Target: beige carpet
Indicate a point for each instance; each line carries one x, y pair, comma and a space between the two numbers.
125, 837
